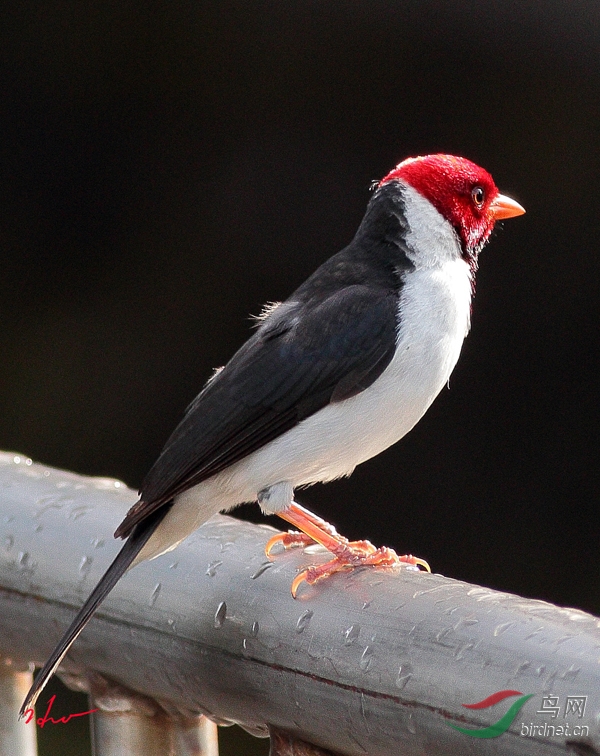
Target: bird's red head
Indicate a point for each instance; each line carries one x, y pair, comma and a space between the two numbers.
461, 191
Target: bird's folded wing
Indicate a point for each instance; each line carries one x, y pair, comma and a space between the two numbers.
304, 356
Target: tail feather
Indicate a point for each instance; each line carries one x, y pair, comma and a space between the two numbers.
113, 574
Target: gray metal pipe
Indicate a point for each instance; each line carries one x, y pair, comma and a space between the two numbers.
17, 738
129, 724
135, 733
368, 662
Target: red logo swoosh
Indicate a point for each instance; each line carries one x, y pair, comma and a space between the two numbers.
493, 699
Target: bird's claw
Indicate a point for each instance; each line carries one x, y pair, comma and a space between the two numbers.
356, 554
346, 554
288, 540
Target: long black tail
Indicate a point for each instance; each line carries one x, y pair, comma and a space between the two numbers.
113, 574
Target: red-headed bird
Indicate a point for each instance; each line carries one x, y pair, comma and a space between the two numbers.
331, 377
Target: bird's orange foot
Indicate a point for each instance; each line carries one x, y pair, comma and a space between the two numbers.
347, 555
293, 538
356, 554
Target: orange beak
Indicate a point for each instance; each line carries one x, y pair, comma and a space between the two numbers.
505, 207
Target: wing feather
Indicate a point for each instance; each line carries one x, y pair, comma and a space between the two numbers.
304, 356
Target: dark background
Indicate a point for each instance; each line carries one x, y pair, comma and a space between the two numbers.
166, 168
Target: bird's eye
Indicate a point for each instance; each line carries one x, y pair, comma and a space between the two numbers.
478, 196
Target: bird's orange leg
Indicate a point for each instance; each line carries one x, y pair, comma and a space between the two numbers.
348, 554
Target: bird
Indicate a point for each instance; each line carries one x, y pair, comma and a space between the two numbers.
330, 377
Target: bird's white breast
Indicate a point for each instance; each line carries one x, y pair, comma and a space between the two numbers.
330, 443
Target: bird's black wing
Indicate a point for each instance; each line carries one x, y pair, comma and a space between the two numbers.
304, 356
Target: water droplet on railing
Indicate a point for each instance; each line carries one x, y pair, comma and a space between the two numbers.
23, 560
78, 512
262, 569
564, 639
351, 634
174, 566
211, 570
254, 630
463, 650
405, 672
502, 628
154, 595
465, 622
85, 565
366, 659
571, 673
9, 542
304, 621
221, 614
443, 634
50, 501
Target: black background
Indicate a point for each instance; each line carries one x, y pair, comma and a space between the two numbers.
166, 168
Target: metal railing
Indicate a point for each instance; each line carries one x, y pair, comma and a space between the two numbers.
370, 662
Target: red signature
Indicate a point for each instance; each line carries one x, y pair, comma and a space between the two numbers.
41, 721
